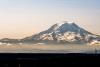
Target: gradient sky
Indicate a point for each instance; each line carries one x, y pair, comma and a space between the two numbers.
21, 18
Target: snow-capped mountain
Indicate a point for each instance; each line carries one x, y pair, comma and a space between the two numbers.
65, 32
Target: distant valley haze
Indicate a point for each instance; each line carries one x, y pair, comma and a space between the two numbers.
22, 18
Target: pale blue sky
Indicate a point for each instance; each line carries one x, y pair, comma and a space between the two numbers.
20, 18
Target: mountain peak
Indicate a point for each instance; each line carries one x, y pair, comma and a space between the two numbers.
65, 22
69, 22
65, 26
